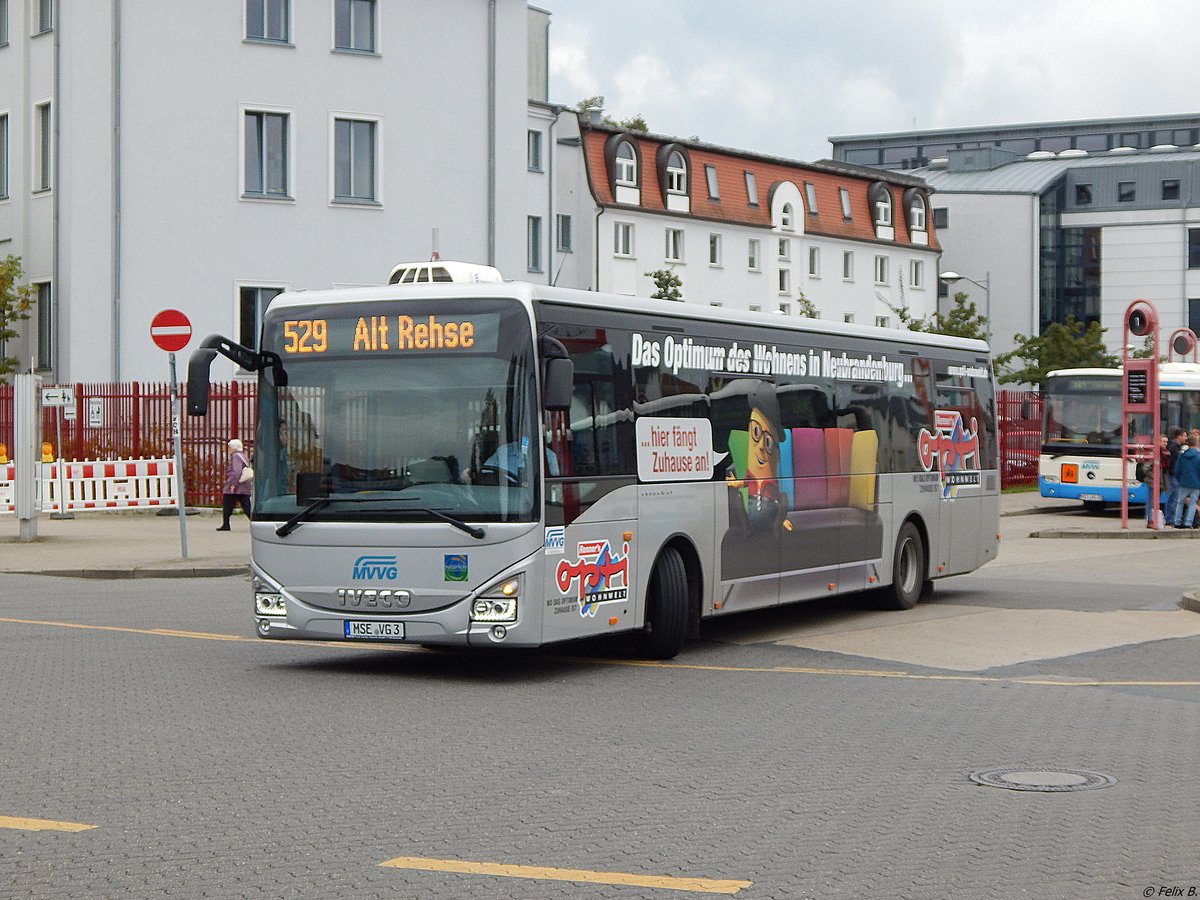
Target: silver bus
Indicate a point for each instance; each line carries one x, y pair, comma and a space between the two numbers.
514, 465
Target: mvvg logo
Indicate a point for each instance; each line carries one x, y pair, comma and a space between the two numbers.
374, 568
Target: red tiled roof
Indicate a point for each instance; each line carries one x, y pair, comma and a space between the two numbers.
733, 206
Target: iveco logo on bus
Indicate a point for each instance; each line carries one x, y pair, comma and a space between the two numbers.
370, 597
375, 568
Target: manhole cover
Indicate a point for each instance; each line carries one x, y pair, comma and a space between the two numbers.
1050, 780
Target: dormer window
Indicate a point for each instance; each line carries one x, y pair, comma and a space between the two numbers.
621, 157
626, 167
844, 195
916, 207
676, 173
879, 199
883, 209
786, 217
916, 215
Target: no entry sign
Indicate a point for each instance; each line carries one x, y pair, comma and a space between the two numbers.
170, 330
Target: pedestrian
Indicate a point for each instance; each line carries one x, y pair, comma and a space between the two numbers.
238, 478
1187, 477
1177, 444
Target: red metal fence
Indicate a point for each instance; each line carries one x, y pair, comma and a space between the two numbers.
133, 420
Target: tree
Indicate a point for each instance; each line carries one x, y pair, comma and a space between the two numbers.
15, 303
1063, 345
806, 308
667, 284
963, 320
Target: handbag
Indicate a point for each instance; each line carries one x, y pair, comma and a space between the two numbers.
247, 474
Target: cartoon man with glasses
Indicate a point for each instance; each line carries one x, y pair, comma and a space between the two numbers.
765, 501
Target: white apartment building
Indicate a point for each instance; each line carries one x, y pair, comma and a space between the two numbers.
205, 156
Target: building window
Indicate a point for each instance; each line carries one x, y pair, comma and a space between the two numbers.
626, 165
1126, 191
43, 152
252, 303
810, 197
1194, 315
785, 308
45, 17
4, 157
533, 150
941, 217
883, 209
714, 249
881, 321
265, 163
562, 233
1170, 189
917, 214
845, 196
785, 217
1194, 249
916, 273
847, 265
267, 20
785, 249
752, 254
785, 281
46, 344
848, 318
751, 189
710, 176
814, 262
1083, 195
533, 243
354, 25
881, 270
354, 160
676, 173
622, 239
674, 247
3, 36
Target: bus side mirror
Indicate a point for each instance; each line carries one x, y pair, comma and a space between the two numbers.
197, 381
559, 384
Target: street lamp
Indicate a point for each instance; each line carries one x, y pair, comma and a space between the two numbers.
951, 277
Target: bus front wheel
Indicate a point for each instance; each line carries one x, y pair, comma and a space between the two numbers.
666, 608
909, 570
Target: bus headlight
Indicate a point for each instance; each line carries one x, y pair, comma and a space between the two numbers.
498, 602
267, 602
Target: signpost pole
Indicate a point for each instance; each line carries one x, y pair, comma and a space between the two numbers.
182, 504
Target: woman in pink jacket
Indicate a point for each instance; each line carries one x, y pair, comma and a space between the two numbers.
236, 491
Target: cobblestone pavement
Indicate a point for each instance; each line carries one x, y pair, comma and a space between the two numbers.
215, 765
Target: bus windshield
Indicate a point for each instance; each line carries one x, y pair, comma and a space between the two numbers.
394, 412
1086, 409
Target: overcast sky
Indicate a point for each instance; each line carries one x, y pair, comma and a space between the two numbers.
782, 76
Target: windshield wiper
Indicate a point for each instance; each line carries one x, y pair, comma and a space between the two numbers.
321, 502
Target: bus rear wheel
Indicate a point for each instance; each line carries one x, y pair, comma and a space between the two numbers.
666, 608
909, 570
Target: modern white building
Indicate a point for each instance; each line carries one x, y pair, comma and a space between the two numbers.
204, 156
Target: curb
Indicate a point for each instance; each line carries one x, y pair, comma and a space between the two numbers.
1131, 535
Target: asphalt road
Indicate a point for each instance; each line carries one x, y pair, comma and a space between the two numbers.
820, 751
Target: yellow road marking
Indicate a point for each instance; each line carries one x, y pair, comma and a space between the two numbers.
1042, 680
666, 882
41, 824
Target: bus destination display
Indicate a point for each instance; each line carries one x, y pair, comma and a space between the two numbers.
390, 334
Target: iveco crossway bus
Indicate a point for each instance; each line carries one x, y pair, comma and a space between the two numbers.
506, 464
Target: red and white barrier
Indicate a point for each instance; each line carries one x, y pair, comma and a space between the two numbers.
111, 484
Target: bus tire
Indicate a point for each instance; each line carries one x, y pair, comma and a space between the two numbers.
666, 625
909, 570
